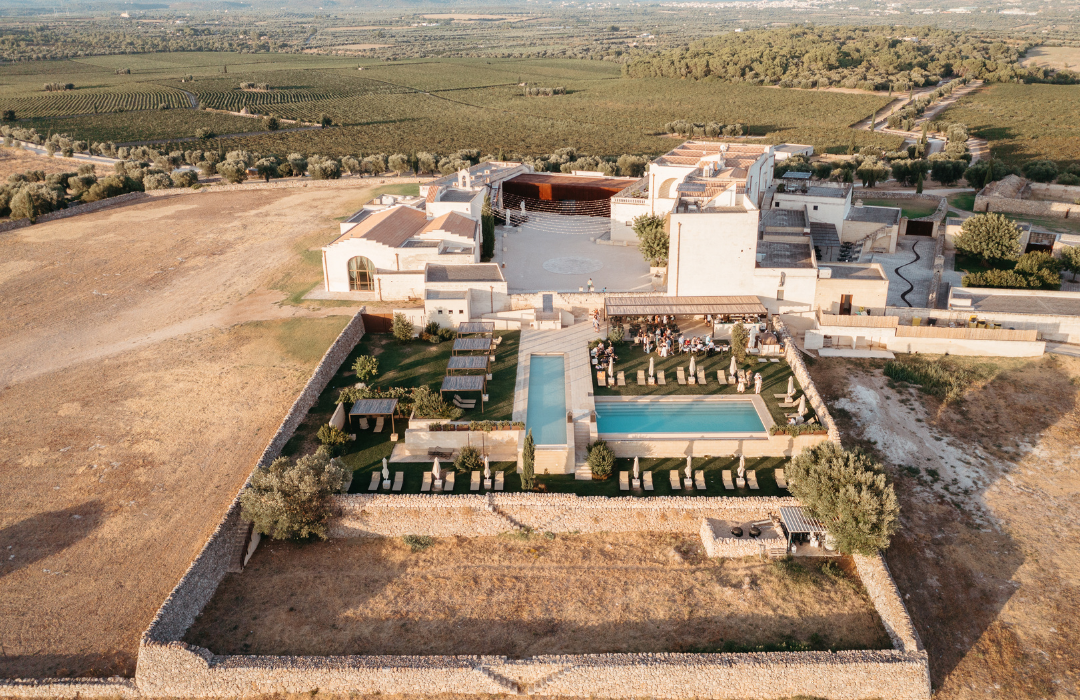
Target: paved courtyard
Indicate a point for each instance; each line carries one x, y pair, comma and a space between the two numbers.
910, 270
558, 254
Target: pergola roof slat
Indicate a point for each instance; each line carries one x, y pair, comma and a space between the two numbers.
798, 520
684, 306
373, 407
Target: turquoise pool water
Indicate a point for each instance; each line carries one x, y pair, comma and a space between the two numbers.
677, 417
546, 413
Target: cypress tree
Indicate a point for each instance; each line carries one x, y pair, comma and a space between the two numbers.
528, 458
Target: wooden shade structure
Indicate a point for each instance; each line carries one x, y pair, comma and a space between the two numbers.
375, 407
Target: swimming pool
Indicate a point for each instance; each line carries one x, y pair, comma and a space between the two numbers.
682, 417
546, 411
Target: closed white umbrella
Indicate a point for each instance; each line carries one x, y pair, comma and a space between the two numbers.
652, 366
435, 472
742, 465
693, 366
802, 404
385, 470
487, 468
689, 467
757, 383
637, 470
790, 385
733, 369
611, 366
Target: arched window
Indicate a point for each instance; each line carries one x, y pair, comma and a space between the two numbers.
361, 275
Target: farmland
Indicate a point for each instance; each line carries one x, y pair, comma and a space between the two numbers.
1023, 122
432, 105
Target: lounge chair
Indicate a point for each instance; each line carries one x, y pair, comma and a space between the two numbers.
660, 379
500, 481
474, 482
720, 376
701, 377
681, 375
376, 477
781, 480
399, 479
379, 424
426, 486
364, 425
751, 478
699, 479
641, 377
784, 396
812, 421
788, 404
727, 480
676, 482
448, 482
646, 480
763, 360
621, 378
624, 481
774, 359
464, 403
601, 378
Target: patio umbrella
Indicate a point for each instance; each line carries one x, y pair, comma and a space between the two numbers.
611, 366
802, 404
733, 369
487, 468
435, 472
757, 383
637, 470
385, 470
652, 367
790, 386
742, 465
689, 467
693, 367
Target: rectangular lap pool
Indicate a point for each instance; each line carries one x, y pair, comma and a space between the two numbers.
546, 411
678, 418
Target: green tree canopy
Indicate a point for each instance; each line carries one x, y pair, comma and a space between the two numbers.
848, 492
528, 463
290, 500
1041, 170
992, 237
653, 239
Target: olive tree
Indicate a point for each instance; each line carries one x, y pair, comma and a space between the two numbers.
1070, 259
653, 238
291, 500
849, 493
992, 237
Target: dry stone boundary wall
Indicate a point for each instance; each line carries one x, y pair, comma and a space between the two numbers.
798, 367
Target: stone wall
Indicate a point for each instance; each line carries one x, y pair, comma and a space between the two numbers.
223, 552
798, 367
1059, 329
390, 515
729, 547
1014, 195
75, 210
885, 596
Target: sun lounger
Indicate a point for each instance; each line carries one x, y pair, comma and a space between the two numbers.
376, 477
781, 480
788, 404
660, 379
448, 483
751, 478
379, 424
763, 360
646, 479
681, 375
699, 479
500, 481
774, 359
784, 396
601, 378
621, 378
727, 480
426, 486
624, 481
399, 479
364, 425
641, 377
676, 482
701, 377
812, 421
474, 482
720, 376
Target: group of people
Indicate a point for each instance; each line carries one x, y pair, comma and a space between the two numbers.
667, 343
601, 353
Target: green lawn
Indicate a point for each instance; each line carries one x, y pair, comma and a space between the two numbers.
910, 209
966, 263
962, 200
774, 377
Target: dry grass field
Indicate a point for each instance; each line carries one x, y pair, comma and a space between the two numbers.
987, 559
525, 596
1055, 57
147, 361
17, 160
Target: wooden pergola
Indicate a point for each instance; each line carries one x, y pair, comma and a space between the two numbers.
466, 382
472, 345
481, 328
375, 407
466, 364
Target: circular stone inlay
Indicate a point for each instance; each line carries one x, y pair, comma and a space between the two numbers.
572, 266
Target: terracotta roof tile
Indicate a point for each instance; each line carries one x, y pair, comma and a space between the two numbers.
391, 227
453, 223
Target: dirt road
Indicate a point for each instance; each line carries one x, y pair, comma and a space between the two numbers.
987, 559
145, 365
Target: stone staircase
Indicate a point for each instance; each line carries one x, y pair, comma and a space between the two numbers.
865, 245
582, 438
512, 686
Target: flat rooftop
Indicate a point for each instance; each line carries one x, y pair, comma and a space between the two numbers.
887, 216
453, 194
824, 235
784, 218
1027, 301
446, 294
784, 255
854, 271
479, 272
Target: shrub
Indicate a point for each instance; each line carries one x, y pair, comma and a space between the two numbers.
366, 367
849, 493
271, 123
1041, 170
267, 168
320, 168
446, 334
333, 438
615, 333
185, 178
601, 460
418, 543
204, 133
941, 378
402, 328
468, 459
739, 338
528, 461
234, 171
992, 237
427, 404
1068, 179
291, 500
157, 181
432, 328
